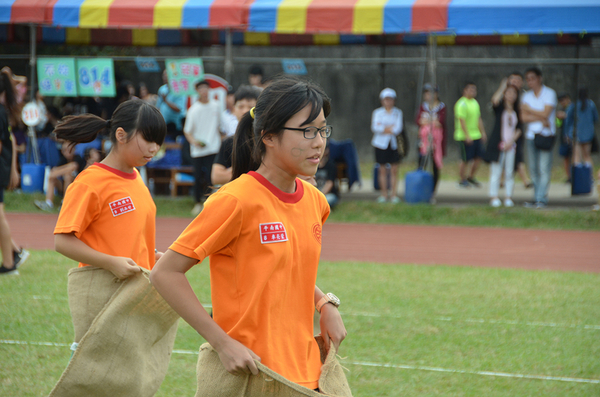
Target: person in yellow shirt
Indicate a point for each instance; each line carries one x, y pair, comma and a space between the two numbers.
262, 233
469, 133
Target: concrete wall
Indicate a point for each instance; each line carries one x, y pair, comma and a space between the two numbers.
354, 87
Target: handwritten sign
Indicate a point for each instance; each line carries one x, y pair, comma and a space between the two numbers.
293, 66
183, 74
147, 64
56, 76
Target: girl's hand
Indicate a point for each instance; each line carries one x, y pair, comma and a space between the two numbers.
123, 267
332, 326
237, 358
157, 256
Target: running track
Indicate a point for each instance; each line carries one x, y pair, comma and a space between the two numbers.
425, 245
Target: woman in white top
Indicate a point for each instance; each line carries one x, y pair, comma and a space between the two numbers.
502, 146
386, 125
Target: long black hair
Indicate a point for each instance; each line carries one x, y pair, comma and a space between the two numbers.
134, 116
10, 103
279, 102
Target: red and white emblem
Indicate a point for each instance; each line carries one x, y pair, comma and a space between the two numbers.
121, 206
272, 233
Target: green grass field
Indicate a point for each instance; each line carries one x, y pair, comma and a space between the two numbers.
422, 321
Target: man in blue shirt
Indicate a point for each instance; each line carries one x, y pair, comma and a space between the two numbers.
171, 106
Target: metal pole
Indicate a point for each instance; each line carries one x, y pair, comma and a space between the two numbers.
32, 63
228, 55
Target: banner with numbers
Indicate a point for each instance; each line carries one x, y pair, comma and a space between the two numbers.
96, 77
183, 74
57, 76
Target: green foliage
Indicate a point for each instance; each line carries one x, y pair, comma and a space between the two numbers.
469, 319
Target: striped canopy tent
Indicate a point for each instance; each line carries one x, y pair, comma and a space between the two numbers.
460, 17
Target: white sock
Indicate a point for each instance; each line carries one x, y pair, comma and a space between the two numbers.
50, 203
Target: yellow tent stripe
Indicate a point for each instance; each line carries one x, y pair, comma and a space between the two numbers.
255, 38
368, 17
145, 37
517, 39
291, 16
94, 13
168, 13
78, 36
326, 39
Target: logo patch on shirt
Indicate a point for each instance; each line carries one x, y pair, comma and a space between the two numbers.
317, 231
273, 232
121, 206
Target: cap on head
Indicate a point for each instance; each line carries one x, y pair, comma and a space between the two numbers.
429, 87
387, 93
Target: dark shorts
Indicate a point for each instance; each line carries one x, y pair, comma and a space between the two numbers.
387, 156
472, 151
1, 195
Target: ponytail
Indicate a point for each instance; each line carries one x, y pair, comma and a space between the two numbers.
134, 116
81, 129
278, 103
583, 98
244, 155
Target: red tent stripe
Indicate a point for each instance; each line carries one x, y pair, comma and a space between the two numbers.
131, 13
430, 15
28, 11
330, 16
225, 13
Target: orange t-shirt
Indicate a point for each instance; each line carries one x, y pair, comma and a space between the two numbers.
112, 212
264, 247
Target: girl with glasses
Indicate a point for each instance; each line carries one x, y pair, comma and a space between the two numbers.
262, 233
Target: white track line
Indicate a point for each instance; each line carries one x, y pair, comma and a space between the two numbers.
483, 373
369, 364
483, 321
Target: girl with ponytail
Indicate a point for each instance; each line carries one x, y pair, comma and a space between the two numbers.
262, 233
12, 255
107, 219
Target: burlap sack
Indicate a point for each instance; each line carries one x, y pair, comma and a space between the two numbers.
215, 381
125, 332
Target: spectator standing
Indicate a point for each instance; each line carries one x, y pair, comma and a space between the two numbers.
146, 96
587, 117
12, 255
256, 77
431, 120
469, 133
386, 125
244, 100
566, 147
515, 79
202, 132
502, 146
538, 110
227, 117
171, 106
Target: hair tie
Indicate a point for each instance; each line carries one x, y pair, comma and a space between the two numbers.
252, 113
108, 123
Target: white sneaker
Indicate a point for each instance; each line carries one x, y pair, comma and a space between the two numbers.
508, 202
197, 209
395, 200
381, 199
496, 202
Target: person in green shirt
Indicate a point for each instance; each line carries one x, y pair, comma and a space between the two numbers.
469, 133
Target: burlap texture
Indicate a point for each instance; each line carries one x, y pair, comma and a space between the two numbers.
125, 332
215, 381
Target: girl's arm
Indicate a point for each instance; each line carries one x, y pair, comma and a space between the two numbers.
14, 170
331, 323
168, 277
71, 247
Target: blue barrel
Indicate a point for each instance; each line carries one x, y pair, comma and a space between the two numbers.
32, 177
419, 187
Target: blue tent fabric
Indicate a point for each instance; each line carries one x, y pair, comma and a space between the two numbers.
345, 152
471, 17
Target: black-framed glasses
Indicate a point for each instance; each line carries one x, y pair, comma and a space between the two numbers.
311, 132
